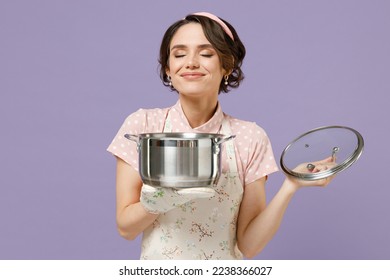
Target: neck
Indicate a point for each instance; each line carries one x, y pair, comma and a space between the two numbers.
198, 111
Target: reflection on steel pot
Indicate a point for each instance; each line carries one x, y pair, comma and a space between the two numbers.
179, 160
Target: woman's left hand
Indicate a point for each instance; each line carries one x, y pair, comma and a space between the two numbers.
313, 167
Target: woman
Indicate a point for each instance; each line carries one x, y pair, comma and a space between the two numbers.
200, 57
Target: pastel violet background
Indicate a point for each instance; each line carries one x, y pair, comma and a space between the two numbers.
71, 71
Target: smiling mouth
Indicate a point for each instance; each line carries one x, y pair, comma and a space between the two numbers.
192, 76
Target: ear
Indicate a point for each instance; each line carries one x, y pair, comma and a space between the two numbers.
227, 72
167, 71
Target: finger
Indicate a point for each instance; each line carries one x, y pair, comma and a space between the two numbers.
320, 169
326, 181
326, 160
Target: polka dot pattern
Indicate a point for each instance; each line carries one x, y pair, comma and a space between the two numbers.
253, 149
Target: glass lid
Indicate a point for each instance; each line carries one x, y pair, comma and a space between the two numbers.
304, 157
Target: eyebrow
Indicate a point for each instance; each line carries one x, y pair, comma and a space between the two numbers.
203, 46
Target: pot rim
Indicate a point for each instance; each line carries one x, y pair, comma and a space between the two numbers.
180, 136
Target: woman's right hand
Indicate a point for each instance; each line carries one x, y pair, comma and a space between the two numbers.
157, 200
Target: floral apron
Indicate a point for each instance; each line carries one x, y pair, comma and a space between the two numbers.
202, 228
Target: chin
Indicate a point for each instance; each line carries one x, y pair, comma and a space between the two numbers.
196, 91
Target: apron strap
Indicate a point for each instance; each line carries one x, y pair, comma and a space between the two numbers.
229, 146
168, 123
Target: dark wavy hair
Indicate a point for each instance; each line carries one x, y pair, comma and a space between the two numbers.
231, 53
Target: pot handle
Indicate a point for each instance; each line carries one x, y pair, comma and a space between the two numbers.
223, 140
132, 137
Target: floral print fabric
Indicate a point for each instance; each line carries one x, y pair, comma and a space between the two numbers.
201, 228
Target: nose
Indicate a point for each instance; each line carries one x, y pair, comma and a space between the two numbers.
192, 62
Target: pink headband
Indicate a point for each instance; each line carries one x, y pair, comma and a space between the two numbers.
218, 20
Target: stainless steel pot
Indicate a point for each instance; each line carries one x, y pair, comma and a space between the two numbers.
179, 160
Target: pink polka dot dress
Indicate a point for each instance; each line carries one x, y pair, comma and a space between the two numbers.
255, 158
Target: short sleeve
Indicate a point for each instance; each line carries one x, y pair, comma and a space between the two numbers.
261, 161
123, 147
